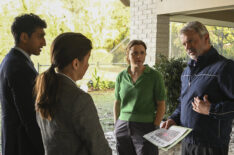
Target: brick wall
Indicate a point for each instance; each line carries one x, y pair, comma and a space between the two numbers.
152, 29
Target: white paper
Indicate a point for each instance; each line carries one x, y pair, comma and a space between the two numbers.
164, 137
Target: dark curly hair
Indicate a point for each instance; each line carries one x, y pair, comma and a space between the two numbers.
27, 23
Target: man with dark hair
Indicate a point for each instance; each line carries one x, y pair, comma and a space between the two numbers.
207, 95
20, 132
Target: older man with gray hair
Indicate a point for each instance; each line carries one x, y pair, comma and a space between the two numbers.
207, 95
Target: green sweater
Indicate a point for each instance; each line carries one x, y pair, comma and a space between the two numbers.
138, 100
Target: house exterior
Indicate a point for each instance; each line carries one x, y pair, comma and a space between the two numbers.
150, 20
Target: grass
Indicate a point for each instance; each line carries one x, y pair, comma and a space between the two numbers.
104, 101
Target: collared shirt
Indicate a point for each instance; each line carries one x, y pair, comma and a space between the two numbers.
138, 100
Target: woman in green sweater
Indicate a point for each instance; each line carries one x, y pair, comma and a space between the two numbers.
140, 103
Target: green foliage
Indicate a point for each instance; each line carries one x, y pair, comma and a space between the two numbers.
177, 49
171, 70
222, 38
105, 22
97, 84
106, 85
96, 79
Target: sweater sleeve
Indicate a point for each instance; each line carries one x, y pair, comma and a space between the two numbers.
225, 109
87, 126
176, 115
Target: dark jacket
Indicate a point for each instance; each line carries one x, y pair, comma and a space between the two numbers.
20, 132
75, 128
211, 75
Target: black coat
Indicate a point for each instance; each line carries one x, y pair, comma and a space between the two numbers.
20, 132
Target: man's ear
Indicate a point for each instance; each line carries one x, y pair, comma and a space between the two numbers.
207, 37
24, 37
75, 64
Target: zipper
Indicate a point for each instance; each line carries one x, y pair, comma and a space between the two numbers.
219, 129
190, 79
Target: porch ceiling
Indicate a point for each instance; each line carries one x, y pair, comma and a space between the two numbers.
215, 18
224, 15
126, 2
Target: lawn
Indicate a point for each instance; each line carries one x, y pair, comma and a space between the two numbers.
104, 101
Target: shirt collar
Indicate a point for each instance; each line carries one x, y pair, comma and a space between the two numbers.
23, 52
146, 70
67, 77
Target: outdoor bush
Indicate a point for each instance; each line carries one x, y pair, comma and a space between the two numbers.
106, 85
171, 69
97, 84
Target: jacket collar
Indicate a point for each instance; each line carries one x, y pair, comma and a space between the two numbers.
18, 53
204, 59
23, 52
67, 77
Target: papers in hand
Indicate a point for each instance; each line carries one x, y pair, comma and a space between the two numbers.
167, 138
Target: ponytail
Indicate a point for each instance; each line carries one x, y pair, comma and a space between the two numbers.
64, 49
45, 91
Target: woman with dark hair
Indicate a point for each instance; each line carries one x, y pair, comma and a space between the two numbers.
66, 115
140, 103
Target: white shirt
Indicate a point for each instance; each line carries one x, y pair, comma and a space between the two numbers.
24, 53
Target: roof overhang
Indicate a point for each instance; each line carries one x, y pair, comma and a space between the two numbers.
209, 12
223, 18
126, 2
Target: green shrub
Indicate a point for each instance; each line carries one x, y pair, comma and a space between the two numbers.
97, 84
171, 69
106, 85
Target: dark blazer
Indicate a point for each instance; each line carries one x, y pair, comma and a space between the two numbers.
75, 128
20, 132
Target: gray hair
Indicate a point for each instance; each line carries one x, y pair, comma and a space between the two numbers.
195, 26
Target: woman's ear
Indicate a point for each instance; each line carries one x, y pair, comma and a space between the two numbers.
75, 64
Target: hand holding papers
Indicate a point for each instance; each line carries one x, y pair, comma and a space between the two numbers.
167, 138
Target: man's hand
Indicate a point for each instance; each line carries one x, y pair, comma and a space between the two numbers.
168, 124
201, 106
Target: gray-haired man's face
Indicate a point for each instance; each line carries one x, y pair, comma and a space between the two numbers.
194, 44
